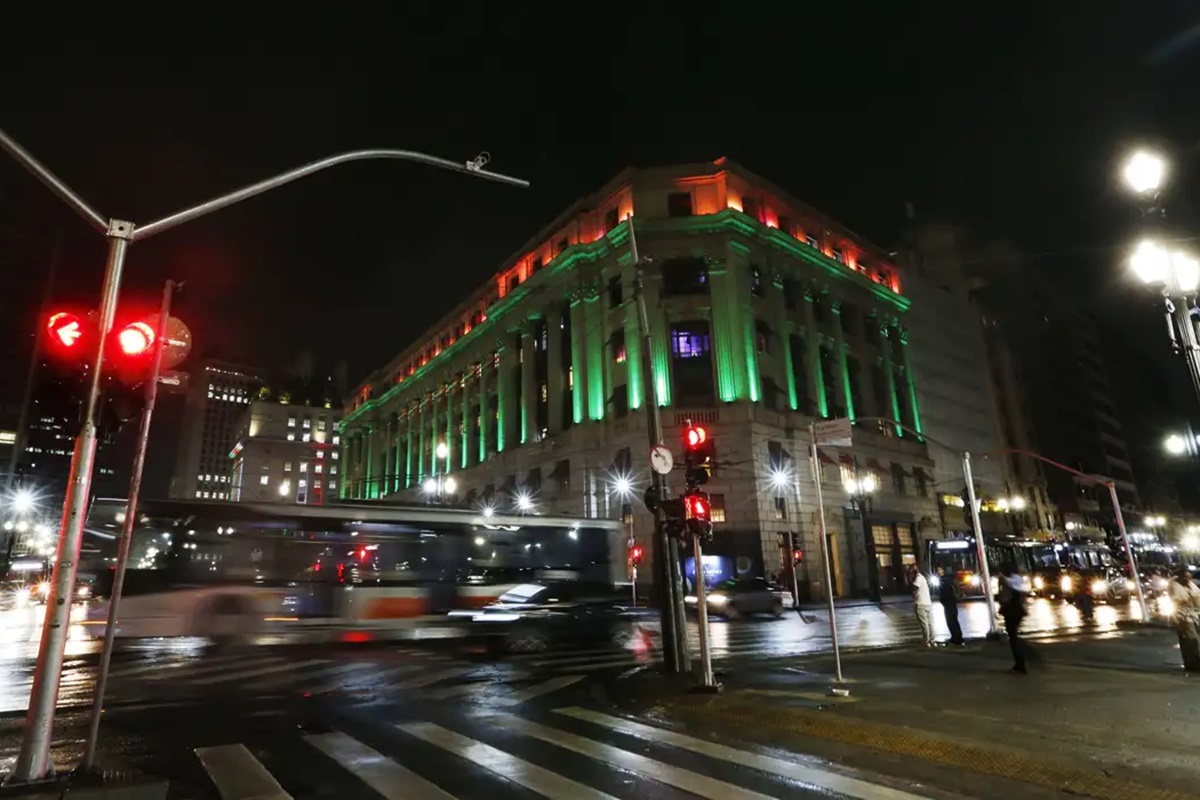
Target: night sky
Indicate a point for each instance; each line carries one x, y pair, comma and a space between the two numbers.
1008, 118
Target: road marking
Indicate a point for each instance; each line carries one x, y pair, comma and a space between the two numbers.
523, 773
317, 676
537, 690
254, 673
688, 781
816, 696
432, 677
204, 668
238, 775
824, 779
389, 779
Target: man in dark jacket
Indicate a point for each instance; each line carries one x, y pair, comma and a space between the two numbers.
949, 592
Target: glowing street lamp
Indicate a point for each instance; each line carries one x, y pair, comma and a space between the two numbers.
1175, 444
23, 501
859, 490
442, 451
1144, 172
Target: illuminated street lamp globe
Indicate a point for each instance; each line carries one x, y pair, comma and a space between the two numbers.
1144, 172
430, 485
1175, 444
450, 485
442, 450
1155, 264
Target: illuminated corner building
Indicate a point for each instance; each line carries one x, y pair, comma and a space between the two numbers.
763, 315
217, 397
287, 453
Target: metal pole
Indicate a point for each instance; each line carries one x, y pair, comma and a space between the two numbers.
837, 651
1133, 567
34, 760
126, 543
633, 566
873, 591
792, 560
706, 672
676, 656
1187, 335
993, 626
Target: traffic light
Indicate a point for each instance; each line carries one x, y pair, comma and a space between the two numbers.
697, 514
697, 455
797, 556
635, 554
65, 335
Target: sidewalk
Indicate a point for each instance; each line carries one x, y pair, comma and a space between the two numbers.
1107, 718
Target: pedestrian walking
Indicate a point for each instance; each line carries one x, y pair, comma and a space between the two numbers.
1012, 609
949, 593
922, 602
1185, 619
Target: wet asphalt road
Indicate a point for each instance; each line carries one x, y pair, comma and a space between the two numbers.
166, 668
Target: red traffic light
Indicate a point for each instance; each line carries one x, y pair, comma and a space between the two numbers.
798, 556
696, 506
136, 339
635, 554
694, 436
65, 330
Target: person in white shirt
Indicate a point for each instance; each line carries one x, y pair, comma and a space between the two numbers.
1185, 597
922, 602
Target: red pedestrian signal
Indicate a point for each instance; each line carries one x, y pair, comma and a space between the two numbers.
635, 555
798, 556
696, 506
136, 339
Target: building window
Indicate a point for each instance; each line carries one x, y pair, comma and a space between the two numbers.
716, 504
514, 281
618, 347
684, 276
898, 479
922, 482
688, 342
287, 466
611, 220
334, 455
679, 204
321, 424
337, 439
752, 208
320, 454
780, 509
839, 256
762, 336
291, 437
812, 242
264, 479
318, 469
560, 246
291, 422
306, 437
756, 282
307, 423
614, 292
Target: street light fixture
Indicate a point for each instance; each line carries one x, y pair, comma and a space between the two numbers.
859, 490
1175, 444
23, 501
1144, 172
1178, 274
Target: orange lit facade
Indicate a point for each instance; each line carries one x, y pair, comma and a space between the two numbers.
764, 314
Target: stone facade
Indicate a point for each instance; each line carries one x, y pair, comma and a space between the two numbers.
764, 315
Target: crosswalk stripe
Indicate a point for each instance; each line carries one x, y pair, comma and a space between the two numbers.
316, 676
257, 671
697, 784
204, 668
432, 677
391, 780
830, 781
238, 775
457, 690
537, 690
523, 773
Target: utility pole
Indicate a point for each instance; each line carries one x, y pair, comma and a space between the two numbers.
676, 655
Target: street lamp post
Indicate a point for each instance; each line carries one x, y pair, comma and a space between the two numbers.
34, 759
859, 490
439, 486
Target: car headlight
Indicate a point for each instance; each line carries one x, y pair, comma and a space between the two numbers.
43, 588
718, 599
1039, 583
1099, 587
935, 581
974, 580
1066, 583
1129, 584
84, 592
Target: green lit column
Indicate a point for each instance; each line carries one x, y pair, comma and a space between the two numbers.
594, 320
431, 467
408, 446
839, 344
464, 440
451, 415
911, 379
529, 393
372, 488
555, 378
578, 379
660, 353
724, 339
889, 370
505, 402
783, 327
742, 317
812, 344
485, 406
422, 426
397, 450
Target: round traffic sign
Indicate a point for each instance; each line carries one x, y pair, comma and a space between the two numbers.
661, 460
178, 341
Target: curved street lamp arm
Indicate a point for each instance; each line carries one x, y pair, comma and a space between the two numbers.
52, 182
1100, 479
217, 203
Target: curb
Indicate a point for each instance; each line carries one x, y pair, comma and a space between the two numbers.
978, 757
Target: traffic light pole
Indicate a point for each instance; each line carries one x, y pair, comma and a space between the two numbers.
994, 624
33, 762
126, 543
707, 682
34, 759
676, 655
839, 687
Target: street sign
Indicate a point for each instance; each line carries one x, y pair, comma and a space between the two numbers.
661, 460
178, 344
833, 432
